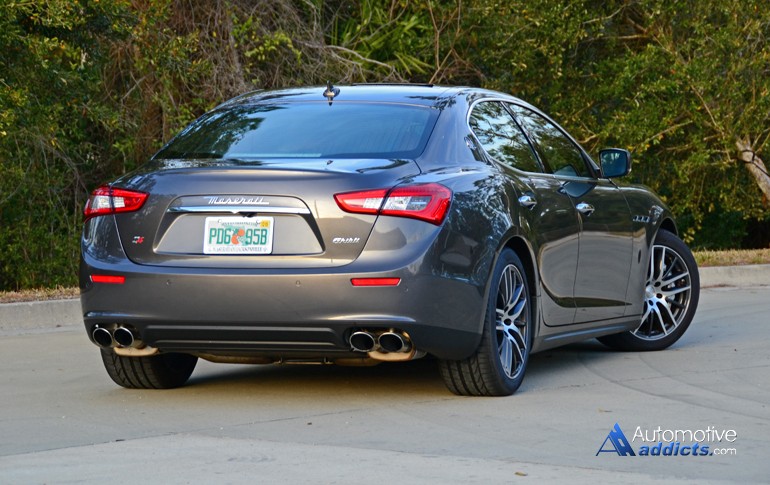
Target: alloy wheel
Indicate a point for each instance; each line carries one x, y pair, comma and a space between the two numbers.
667, 294
511, 321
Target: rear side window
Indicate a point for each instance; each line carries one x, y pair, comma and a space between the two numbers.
501, 137
307, 130
560, 153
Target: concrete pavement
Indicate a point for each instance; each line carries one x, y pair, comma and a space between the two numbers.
64, 421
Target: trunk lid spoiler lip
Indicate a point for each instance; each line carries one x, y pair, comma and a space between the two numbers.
321, 164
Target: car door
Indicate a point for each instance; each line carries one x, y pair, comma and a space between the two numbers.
548, 214
606, 237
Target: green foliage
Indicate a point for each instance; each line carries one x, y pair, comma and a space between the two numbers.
676, 82
390, 37
262, 48
90, 89
685, 76
51, 56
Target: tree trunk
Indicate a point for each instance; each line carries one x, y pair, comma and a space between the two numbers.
755, 165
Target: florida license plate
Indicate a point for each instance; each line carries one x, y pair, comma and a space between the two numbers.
238, 235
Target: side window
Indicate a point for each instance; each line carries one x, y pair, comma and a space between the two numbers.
560, 153
501, 137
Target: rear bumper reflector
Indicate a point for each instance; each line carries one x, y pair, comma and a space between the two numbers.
109, 279
375, 281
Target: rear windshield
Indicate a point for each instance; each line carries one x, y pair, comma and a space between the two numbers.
306, 130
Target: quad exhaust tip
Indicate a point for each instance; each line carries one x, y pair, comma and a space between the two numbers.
362, 341
103, 338
393, 342
124, 337
116, 337
390, 341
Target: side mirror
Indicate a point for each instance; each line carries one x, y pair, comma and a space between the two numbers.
615, 162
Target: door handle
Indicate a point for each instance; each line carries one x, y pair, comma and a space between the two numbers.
527, 201
585, 209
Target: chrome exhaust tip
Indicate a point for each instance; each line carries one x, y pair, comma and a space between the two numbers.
362, 341
124, 337
103, 338
393, 342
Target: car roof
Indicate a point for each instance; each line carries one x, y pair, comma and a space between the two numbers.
419, 94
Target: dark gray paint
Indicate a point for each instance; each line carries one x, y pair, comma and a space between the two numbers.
301, 303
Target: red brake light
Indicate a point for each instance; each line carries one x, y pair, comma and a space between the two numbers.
108, 200
426, 202
366, 202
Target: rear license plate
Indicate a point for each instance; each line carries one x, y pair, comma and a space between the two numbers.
238, 235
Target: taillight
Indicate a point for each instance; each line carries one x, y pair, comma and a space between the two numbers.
108, 200
426, 202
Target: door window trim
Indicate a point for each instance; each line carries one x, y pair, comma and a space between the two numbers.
489, 157
593, 169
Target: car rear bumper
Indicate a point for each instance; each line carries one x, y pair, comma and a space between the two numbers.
282, 314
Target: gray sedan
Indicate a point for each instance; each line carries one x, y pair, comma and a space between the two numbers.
377, 223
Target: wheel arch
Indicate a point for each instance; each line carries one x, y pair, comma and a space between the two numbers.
669, 225
522, 249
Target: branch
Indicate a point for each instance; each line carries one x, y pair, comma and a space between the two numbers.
351, 52
666, 131
755, 165
436, 36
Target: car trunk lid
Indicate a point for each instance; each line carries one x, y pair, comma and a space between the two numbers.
266, 214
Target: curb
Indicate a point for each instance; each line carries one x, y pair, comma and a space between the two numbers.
31, 316
44, 316
739, 276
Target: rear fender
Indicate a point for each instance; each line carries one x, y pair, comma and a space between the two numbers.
479, 226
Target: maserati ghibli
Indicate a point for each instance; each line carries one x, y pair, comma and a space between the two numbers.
360, 224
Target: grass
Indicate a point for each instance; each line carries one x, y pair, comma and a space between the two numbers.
57, 293
731, 257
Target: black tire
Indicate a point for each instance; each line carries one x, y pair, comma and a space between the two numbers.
498, 365
162, 371
671, 298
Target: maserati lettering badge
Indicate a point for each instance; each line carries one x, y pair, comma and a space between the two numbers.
237, 200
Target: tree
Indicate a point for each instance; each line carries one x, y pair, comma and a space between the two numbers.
680, 83
51, 118
90, 90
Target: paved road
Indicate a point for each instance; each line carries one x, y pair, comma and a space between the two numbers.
63, 421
